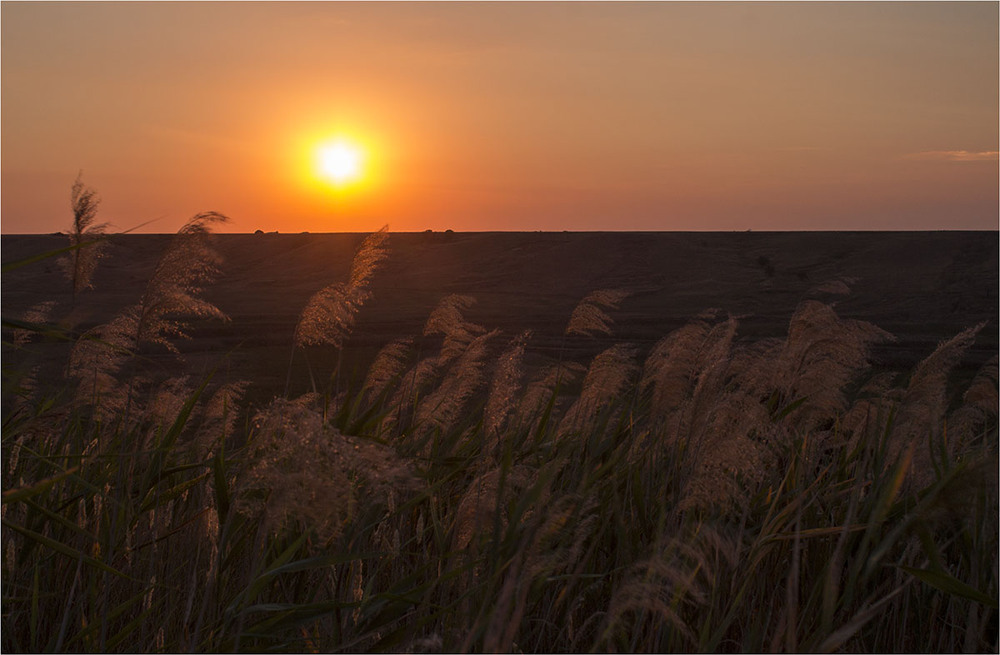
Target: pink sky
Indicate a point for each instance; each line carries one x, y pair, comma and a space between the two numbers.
505, 116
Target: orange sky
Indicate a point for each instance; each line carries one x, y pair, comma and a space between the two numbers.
505, 116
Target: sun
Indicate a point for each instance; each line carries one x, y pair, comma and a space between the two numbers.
340, 162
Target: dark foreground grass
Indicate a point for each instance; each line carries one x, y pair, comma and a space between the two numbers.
709, 496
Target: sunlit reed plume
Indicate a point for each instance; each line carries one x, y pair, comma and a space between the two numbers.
731, 449
79, 264
925, 401
36, 316
389, 364
606, 378
304, 474
369, 258
822, 354
871, 406
589, 317
444, 407
724, 424
477, 509
711, 419
504, 387
541, 390
801, 382
447, 320
711, 375
172, 297
838, 287
96, 360
459, 334
329, 315
218, 417
672, 367
979, 408
412, 385
167, 400
170, 300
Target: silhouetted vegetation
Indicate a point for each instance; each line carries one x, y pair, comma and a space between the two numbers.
713, 495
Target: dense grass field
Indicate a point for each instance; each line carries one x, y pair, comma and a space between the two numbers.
701, 491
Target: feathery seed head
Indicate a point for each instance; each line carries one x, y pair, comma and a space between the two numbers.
80, 264
389, 364
96, 359
328, 318
303, 473
172, 294
589, 317
674, 364
837, 287
447, 320
540, 391
821, 355
609, 373
369, 258
168, 399
218, 417
36, 315
443, 408
415, 381
924, 403
479, 504
506, 383
982, 392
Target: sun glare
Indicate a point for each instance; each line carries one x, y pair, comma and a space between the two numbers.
340, 162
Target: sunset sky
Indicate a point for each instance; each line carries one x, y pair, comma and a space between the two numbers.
504, 116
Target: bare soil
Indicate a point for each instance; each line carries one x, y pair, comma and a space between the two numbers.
923, 287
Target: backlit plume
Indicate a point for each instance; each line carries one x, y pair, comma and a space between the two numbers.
589, 317
85, 235
329, 316
170, 301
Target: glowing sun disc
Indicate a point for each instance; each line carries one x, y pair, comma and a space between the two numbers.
340, 162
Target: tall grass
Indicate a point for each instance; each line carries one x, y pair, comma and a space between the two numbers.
711, 495
84, 237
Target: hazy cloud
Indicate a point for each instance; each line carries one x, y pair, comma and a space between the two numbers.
954, 155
